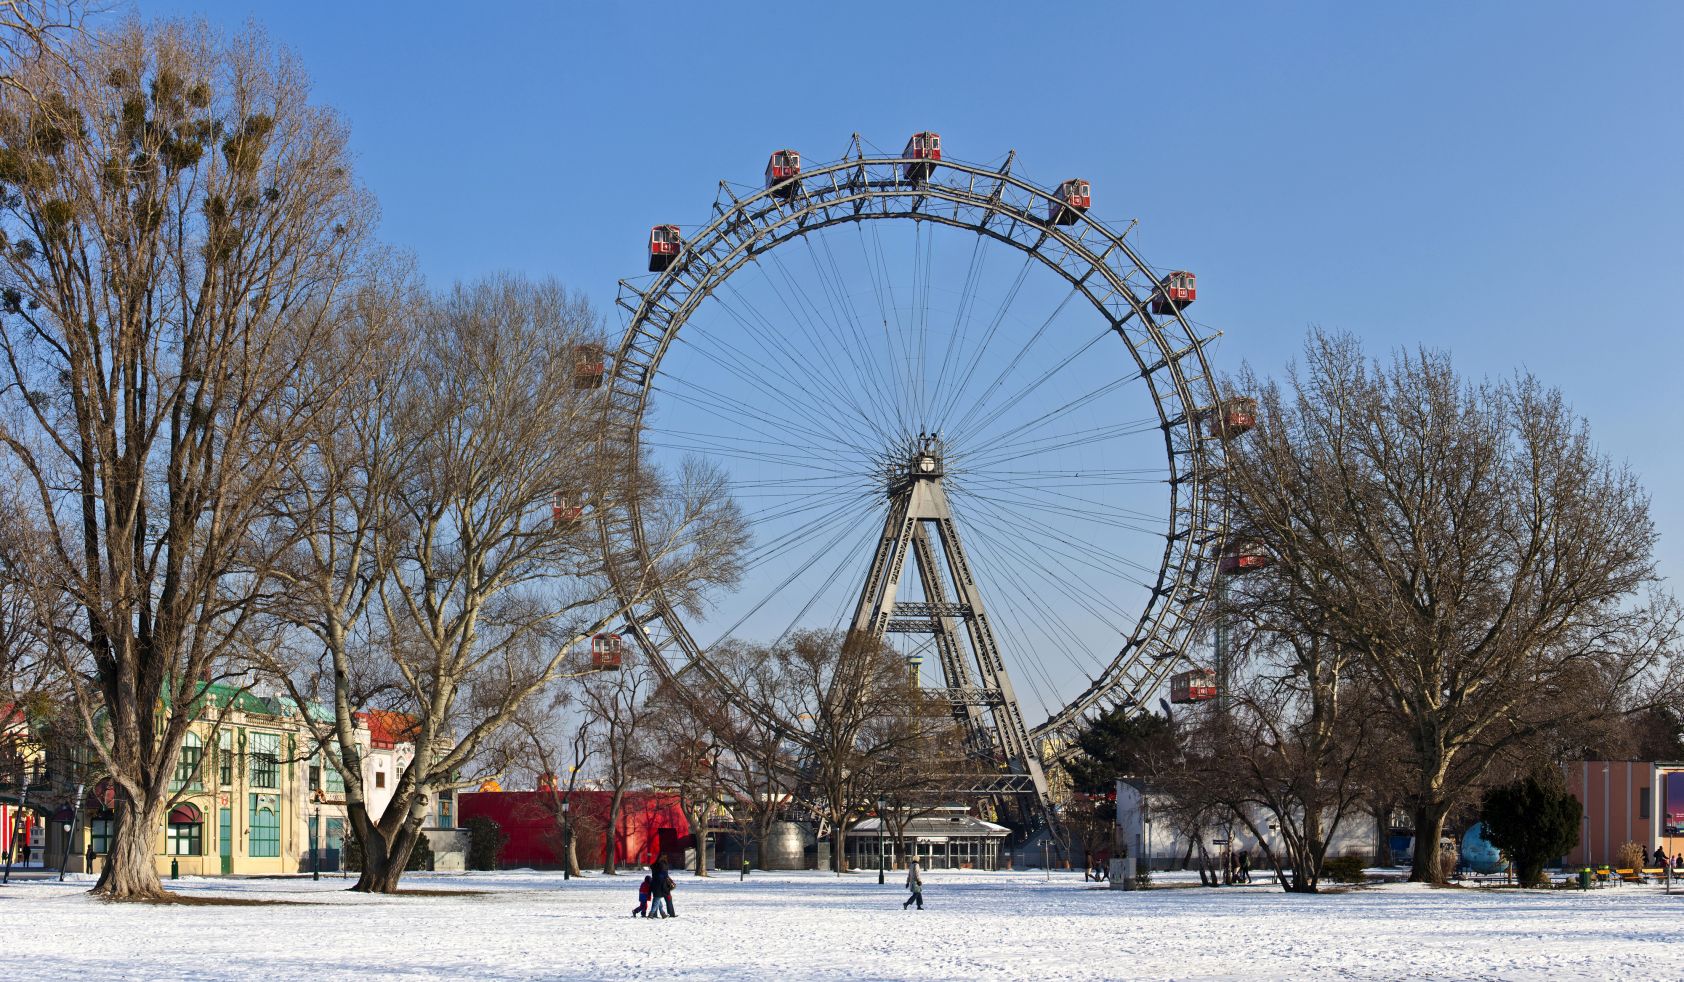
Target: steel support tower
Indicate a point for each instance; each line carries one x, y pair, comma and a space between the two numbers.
983, 703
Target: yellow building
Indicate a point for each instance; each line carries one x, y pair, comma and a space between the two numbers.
244, 790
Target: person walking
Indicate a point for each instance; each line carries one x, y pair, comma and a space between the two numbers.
744, 875
88, 867
915, 883
663, 886
1245, 866
645, 891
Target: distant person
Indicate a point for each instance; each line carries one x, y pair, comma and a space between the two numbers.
644, 891
1245, 866
89, 866
1660, 858
744, 874
915, 883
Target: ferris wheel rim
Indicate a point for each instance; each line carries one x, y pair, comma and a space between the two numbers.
744, 228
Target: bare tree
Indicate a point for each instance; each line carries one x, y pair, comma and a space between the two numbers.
32, 31
858, 713
616, 706
545, 740
1464, 542
681, 751
755, 765
445, 548
181, 225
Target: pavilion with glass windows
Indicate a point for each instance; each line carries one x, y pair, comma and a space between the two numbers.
943, 838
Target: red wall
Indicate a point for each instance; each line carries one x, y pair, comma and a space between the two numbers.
532, 822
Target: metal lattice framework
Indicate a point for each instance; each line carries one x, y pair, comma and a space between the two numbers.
1094, 259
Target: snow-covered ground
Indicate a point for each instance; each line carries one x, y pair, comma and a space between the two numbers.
789, 926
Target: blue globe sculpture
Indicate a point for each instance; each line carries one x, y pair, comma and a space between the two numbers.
1478, 854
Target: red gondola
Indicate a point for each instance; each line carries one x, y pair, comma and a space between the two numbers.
1243, 556
563, 511
1231, 417
664, 246
1194, 685
1178, 290
605, 652
782, 171
924, 149
1074, 198
588, 365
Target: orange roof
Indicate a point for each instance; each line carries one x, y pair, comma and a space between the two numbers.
387, 729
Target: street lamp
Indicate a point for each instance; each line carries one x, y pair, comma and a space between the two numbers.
315, 852
879, 841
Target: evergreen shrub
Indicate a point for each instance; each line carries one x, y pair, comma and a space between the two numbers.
1345, 869
485, 841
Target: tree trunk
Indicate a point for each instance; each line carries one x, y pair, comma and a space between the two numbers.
611, 834
1429, 828
129, 872
699, 829
383, 860
572, 858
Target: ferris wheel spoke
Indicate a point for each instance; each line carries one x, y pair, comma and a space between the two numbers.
1060, 584
759, 422
1075, 550
823, 338
1081, 477
861, 517
783, 541
968, 294
1005, 538
1008, 584
922, 272
713, 449
819, 339
981, 426
851, 342
799, 392
957, 395
883, 288
1106, 516
1011, 364
850, 557
1037, 495
788, 507
1028, 434
1095, 438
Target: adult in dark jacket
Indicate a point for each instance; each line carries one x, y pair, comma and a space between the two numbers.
663, 886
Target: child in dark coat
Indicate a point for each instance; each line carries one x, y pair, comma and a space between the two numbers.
644, 892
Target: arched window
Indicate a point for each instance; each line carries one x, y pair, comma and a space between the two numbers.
187, 766
186, 831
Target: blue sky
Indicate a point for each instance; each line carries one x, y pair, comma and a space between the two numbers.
1501, 179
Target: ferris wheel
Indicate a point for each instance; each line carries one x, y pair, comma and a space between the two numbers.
960, 413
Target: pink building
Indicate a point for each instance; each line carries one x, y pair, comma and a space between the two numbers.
1626, 801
